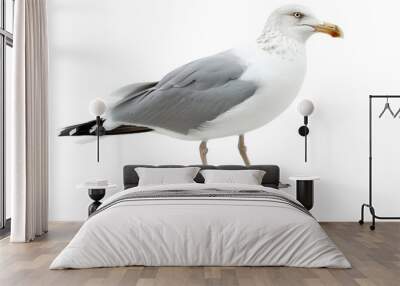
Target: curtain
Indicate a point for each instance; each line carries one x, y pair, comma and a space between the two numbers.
29, 120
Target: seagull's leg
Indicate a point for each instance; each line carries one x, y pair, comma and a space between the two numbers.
243, 150
203, 152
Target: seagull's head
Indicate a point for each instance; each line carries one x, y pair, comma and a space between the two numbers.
299, 22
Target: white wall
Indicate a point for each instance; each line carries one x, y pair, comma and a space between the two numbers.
97, 46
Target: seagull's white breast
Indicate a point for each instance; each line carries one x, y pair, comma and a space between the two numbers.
279, 77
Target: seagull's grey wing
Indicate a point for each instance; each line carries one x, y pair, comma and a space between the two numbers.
134, 88
189, 96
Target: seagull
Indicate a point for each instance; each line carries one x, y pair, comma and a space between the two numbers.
226, 94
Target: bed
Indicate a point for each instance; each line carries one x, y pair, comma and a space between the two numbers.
198, 224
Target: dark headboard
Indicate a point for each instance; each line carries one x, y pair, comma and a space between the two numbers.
271, 177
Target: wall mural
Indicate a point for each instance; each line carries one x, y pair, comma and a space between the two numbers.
226, 94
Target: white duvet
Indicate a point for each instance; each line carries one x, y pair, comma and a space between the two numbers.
193, 231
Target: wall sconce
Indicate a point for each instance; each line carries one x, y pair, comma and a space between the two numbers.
305, 108
97, 107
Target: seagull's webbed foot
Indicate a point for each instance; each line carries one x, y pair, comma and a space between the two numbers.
203, 152
243, 150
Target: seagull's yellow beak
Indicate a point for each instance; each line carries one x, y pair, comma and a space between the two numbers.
329, 29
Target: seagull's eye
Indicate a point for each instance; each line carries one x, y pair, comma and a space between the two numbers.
297, 15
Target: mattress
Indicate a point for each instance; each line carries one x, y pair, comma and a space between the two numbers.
201, 225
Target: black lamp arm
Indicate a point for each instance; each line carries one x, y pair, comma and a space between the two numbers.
304, 131
98, 123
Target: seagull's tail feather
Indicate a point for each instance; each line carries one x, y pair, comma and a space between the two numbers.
127, 129
110, 127
89, 128
79, 129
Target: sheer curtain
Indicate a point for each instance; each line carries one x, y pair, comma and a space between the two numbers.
29, 135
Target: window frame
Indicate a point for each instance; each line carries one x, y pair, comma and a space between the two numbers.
6, 39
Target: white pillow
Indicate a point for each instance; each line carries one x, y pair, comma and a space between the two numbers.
246, 177
166, 176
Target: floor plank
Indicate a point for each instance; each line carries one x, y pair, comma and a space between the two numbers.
375, 257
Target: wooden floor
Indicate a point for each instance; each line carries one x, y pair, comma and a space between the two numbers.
375, 257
